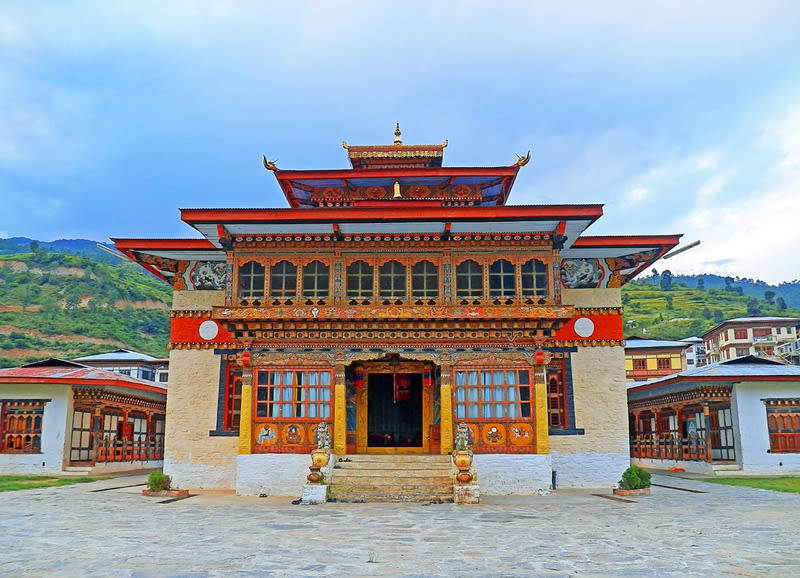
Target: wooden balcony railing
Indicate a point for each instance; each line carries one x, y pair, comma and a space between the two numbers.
669, 448
128, 451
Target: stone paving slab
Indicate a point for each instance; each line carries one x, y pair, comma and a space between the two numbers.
108, 528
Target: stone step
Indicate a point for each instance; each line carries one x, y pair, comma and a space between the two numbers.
77, 471
393, 478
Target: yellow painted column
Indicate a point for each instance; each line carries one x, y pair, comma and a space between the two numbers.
540, 399
446, 408
339, 412
246, 415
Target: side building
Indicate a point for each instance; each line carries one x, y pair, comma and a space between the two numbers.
395, 301
60, 416
735, 416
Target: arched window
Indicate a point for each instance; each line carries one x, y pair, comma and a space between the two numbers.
501, 279
469, 280
359, 281
534, 279
425, 281
283, 280
392, 281
316, 277
251, 280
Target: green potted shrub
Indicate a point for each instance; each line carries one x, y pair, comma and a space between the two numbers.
635, 481
160, 484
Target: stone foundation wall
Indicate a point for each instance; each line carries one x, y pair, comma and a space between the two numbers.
512, 474
272, 474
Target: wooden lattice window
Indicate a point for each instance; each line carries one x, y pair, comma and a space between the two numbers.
664, 363
392, 281
534, 279
502, 281
556, 402
233, 400
21, 426
783, 424
424, 281
469, 280
251, 280
293, 394
640, 364
360, 281
316, 281
493, 394
82, 437
283, 280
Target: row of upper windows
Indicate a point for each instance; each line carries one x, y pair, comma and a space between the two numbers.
393, 281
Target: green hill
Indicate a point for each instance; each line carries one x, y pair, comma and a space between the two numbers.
679, 311
61, 305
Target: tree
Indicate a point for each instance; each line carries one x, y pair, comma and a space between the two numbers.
669, 302
706, 312
666, 280
769, 295
654, 272
752, 306
728, 283
718, 317
701, 284
781, 304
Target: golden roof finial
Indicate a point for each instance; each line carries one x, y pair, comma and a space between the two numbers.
397, 134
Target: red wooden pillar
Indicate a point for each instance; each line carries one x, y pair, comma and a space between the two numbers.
706, 418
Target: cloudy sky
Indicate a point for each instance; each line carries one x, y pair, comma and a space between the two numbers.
680, 117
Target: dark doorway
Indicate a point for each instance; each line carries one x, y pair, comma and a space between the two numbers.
394, 412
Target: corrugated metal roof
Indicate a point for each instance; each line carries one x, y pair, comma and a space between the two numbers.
118, 355
74, 374
730, 370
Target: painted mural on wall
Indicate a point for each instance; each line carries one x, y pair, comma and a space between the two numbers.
604, 273
186, 275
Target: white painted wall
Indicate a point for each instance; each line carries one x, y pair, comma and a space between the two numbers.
750, 423
512, 474
272, 474
54, 429
589, 469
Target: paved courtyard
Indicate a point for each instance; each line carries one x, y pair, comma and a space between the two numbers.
685, 528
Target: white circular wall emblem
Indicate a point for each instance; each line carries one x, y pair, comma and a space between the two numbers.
584, 326
209, 330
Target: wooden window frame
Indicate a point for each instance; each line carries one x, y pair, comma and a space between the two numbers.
534, 283
21, 423
283, 282
467, 272
360, 283
491, 399
274, 398
316, 282
427, 273
246, 280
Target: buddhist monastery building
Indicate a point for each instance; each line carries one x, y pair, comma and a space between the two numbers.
395, 301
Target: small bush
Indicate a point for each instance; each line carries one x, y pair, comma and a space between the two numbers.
158, 481
634, 478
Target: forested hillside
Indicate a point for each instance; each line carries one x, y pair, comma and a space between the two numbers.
60, 305
673, 310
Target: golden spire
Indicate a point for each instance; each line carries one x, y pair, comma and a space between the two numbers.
397, 134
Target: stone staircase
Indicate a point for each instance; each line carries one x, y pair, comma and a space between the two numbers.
392, 478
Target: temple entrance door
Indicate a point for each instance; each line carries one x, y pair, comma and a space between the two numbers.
393, 411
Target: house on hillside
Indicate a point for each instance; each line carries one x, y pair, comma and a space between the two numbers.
740, 415
60, 416
133, 363
753, 335
397, 302
652, 358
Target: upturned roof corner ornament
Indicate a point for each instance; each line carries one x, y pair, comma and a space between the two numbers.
270, 165
522, 161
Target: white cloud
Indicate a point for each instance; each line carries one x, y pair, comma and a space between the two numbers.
756, 235
638, 195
